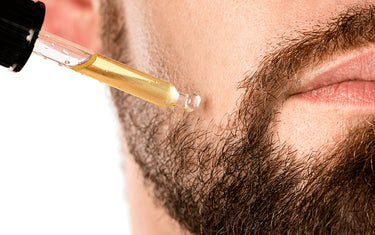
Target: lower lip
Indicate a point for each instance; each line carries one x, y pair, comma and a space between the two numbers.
360, 94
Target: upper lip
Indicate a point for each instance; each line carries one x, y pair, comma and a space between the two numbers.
359, 65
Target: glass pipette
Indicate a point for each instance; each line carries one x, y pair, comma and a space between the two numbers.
21, 34
112, 72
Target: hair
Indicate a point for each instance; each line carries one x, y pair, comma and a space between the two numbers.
242, 181
134, 114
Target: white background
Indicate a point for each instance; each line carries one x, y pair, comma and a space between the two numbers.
60, 154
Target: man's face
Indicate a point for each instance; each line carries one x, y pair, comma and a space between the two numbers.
284, 137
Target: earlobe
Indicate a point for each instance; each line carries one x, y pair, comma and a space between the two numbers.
75, 20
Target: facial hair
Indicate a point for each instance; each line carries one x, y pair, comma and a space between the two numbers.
242, 181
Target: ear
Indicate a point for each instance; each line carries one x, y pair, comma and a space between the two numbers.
75, 20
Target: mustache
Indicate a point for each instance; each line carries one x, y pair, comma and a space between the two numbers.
276, 77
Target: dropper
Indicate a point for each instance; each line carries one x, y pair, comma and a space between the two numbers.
20, 34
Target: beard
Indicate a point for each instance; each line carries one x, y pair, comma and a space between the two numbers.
241, 180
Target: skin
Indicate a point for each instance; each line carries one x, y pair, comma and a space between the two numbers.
190, 36
80, 27
211, 45
206, 47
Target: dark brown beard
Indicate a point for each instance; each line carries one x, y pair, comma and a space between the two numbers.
242, 181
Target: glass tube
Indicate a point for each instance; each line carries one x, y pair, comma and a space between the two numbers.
112, 72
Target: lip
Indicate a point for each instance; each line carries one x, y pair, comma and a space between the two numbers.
349, 80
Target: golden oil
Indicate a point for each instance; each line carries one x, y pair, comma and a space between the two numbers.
129, 80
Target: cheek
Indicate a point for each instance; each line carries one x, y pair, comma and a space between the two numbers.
205, 50
208, 47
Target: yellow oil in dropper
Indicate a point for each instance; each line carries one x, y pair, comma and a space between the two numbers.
113, 73
129, 80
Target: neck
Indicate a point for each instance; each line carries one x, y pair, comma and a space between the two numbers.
146, 217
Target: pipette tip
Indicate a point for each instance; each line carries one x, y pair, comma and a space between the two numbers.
188, 102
